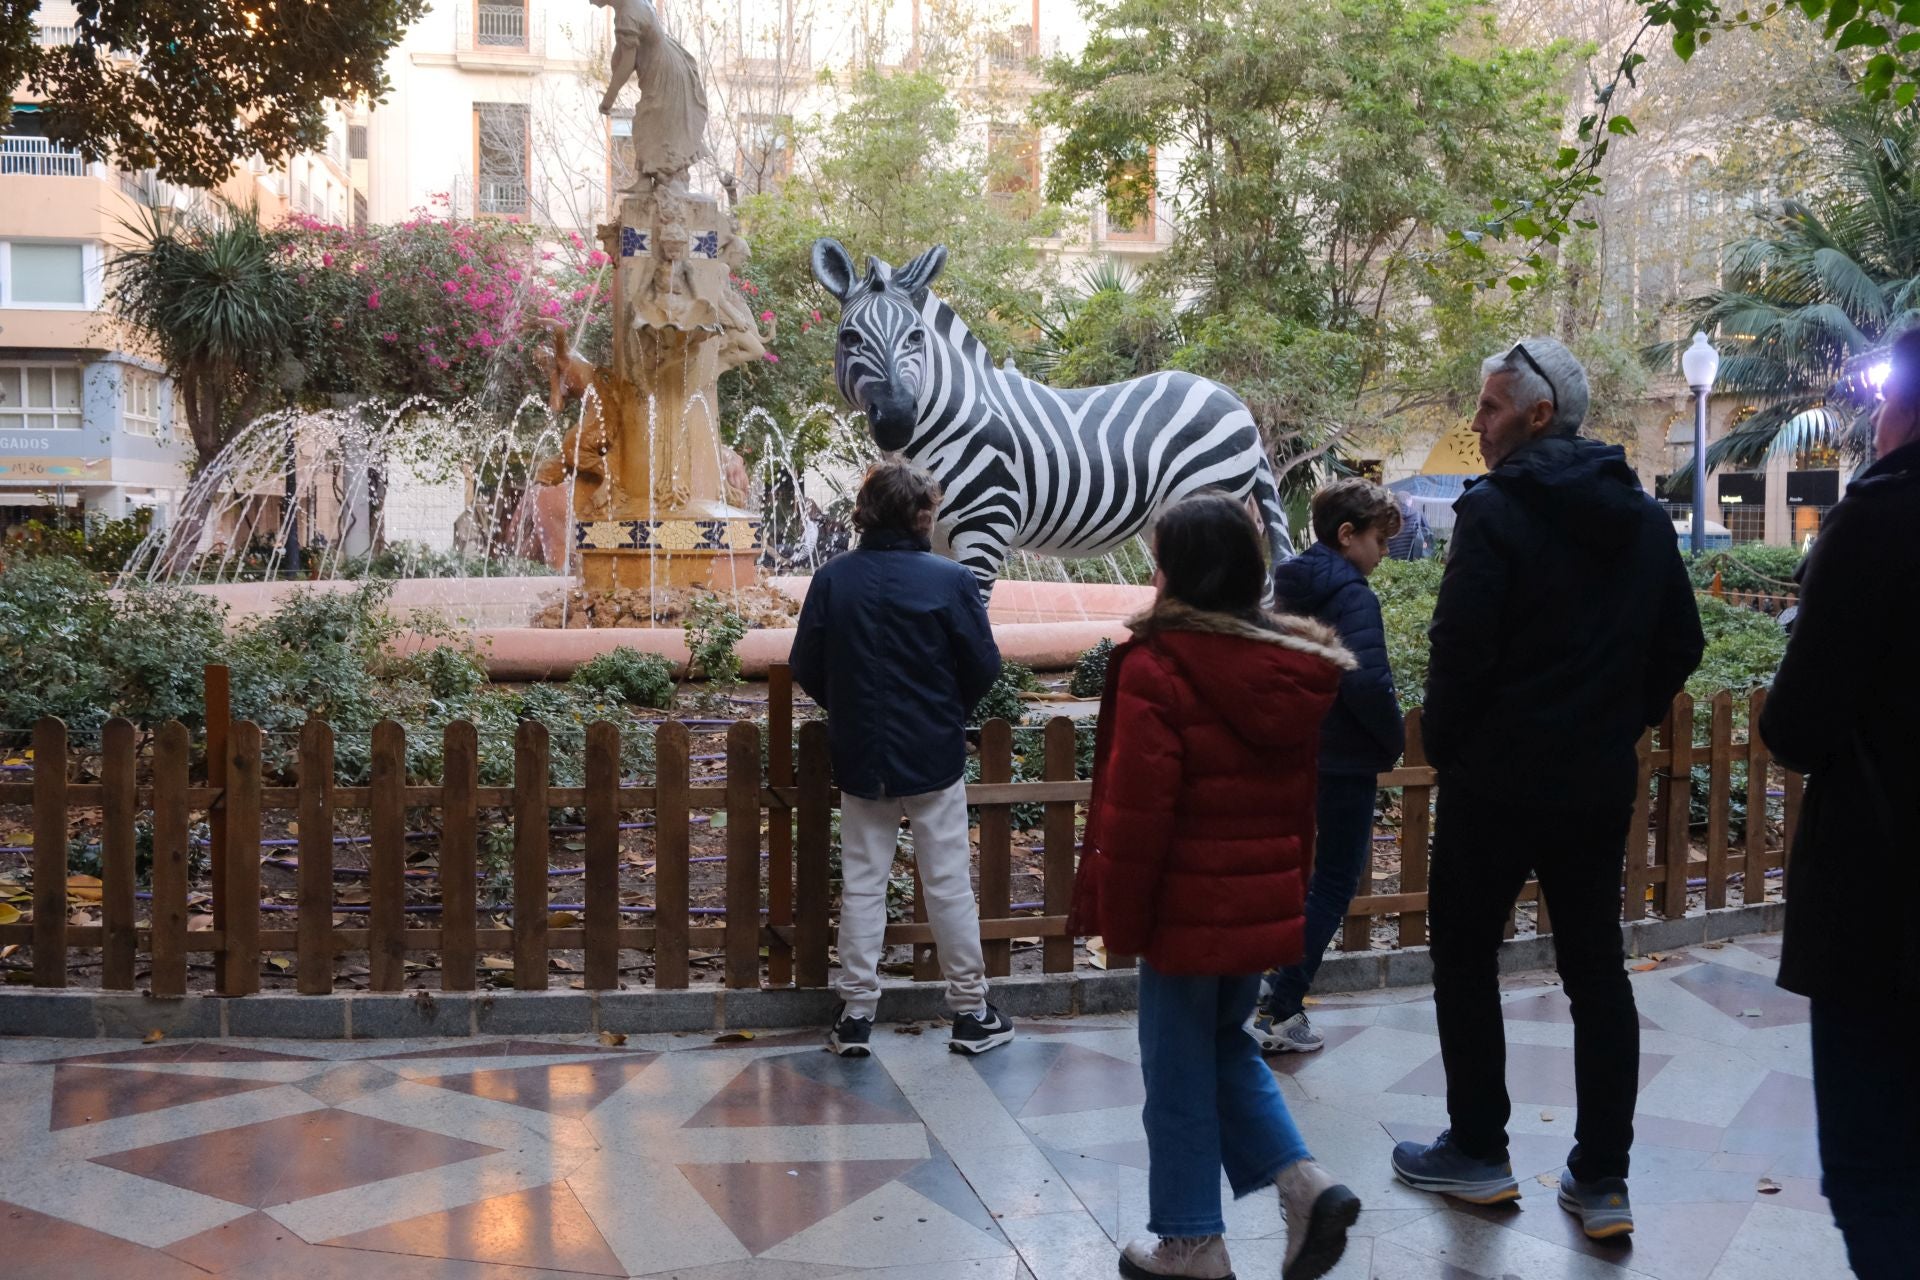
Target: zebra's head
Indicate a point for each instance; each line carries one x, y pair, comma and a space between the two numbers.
880, 362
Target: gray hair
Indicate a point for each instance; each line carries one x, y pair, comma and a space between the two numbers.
1564, 386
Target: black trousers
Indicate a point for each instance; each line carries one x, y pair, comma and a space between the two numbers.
1866, 1088
1483, 849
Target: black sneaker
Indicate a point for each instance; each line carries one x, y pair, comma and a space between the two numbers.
850, 1035
977, 1033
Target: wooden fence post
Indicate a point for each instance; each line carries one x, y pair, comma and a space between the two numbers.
1719, 796
459, 852
743, 856
49, 853
603, 857
240, 961
996, 844
387, 883
118, 780
1754, 884
780, 826
1416, 823
316, 858
1679, 811
172, 757
1634, 898
671, 836
813, 885
530, 856
219, 700
1061, 838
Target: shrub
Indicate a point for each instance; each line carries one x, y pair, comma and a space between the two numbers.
1407, 591
1002, 701
1090, 672
450, 671
713, 632
627, 675
1751, 566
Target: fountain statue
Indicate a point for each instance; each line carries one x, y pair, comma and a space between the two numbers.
642, 471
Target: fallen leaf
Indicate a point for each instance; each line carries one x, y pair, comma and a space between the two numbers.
1547, 1179
1655, 956
718, 821
563, 920
199, 924
84, 888
909, 1029
1547, 1116
1750, 1013
733, 1037
1097, 952
20, 838
293, 828
1767, 1187
82, 920
357, 895
8, 950
8, 914
612, 1039
495, 962
154, 1036
280, 962
574, 846
1644, 968
563, 964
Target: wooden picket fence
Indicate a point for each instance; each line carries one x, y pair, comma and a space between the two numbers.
777, 899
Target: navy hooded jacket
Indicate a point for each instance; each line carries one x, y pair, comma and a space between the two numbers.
1363, 733
1564, 628
894, 645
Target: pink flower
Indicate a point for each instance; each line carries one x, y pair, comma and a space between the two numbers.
550, 309
578, 243
816, 317
338, 324
373, 300
389, 336
326, 259
514, 275
466, 270
772, 358
452, 286
359, 266
766, 317
579, 295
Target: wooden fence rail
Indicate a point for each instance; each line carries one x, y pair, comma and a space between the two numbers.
778, 900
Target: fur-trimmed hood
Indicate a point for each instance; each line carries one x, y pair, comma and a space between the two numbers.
1305, 635
1261, 688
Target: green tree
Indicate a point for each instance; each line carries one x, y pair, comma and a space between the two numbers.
192, 86
1808, 301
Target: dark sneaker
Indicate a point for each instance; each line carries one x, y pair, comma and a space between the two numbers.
850, 1035
1440, 1166
1601, 1205
977, 1033
1284, 1035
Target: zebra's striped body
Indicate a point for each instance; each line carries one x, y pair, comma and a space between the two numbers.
1069, 473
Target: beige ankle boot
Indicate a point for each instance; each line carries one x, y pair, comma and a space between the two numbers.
1319, 1212
1190, 1257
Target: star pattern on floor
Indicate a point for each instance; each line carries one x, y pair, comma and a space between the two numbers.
537, 1159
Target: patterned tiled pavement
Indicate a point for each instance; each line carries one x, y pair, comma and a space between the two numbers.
772, 1160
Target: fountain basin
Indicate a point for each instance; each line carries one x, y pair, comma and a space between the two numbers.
1045, 625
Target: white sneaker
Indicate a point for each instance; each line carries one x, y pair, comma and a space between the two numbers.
1319, 1213
1290, 1035
1191, 1257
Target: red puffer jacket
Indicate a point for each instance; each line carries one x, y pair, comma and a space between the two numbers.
1199, 842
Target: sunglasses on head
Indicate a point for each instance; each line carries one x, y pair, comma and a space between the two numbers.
1534, 365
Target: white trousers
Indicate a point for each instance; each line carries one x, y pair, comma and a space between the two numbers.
869, 841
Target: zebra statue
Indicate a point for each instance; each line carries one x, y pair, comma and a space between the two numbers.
1068, 473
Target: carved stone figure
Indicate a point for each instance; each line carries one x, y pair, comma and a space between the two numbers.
670, 122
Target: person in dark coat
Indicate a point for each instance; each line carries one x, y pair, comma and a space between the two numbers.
1196, 859
1843, 711
1564, 628
1363, 735
1415, 539
894, 645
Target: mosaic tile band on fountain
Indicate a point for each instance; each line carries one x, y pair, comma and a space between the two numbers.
671, 535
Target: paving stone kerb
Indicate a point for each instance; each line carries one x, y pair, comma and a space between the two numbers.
412, 1014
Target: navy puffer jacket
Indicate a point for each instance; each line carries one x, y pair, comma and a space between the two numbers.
1364, 732
894, 645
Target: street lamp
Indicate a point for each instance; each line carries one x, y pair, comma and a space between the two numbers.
1700, 362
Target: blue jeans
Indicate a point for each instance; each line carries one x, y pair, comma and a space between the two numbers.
1341, 852
1211, 1101
1866, 1091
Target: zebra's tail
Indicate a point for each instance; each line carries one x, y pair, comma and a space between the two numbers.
1273, 516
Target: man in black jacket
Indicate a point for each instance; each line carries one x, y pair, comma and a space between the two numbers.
1842, 711
1564, 628
894, 645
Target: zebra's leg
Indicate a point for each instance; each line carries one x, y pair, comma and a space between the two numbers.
984, 552
1274, 519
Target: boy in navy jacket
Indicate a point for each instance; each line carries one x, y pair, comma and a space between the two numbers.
1361, 738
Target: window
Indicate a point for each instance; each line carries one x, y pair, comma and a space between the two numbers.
1010, 49
1013, 166
500, 157
140, 403
356, 142
44, 275
39, 397
1143, 228
500, 24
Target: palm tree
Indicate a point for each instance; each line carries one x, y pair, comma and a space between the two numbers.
1808, 305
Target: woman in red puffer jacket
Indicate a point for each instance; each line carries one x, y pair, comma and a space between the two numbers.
1198, 852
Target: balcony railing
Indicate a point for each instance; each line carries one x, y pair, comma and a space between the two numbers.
48, 36
501, 195
40, 157
500, 26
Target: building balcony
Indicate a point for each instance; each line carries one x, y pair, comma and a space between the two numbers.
501, 197
49, 35
44, 158
499, 34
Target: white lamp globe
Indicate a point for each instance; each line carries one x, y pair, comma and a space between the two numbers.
1700, 362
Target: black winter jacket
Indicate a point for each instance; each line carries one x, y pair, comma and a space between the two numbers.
1363, 733
1564, 628
1842, 711
894, 645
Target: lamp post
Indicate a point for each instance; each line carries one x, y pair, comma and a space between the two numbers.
1700, 362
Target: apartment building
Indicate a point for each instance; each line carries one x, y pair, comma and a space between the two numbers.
88, 420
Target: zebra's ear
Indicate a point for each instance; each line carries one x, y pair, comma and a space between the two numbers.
833, 267
918, 276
